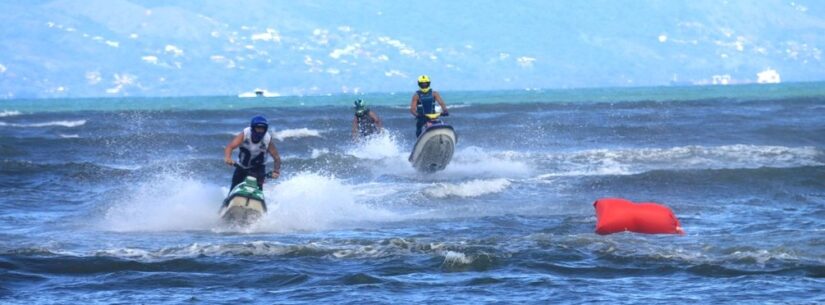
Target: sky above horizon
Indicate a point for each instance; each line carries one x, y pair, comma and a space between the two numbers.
93, 48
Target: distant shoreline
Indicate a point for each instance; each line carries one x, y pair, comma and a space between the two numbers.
554, 95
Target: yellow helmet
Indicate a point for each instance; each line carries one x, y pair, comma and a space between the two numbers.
424, 83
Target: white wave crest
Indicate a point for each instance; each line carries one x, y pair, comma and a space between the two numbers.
318, 152
451, 106
7, 113
59, 123
128, 253
69, 136
458, 106
254, 248
48, 124
634, 161
762, 256
452, 259
475, 161
296, 133
333, 248
474, 188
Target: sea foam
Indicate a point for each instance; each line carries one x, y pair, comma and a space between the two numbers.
8, 113
473, 188
311, 202
48, 124
296, 133
633, 161
380, 146
166, 203
477, 162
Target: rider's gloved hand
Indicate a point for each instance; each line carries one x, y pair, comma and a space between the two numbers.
445, 113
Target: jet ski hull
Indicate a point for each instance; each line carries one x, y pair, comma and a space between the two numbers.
245, 204
434, 149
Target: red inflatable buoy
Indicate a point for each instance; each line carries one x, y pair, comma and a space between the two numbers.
619, 215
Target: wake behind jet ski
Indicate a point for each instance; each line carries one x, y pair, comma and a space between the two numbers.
434, 148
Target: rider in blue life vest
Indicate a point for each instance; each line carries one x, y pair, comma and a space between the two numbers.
365, 122
254, 142
423, 102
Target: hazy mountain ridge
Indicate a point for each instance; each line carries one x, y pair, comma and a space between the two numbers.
114, 48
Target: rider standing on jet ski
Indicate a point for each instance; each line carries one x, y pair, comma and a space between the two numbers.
254, 142
423, 102
365, 122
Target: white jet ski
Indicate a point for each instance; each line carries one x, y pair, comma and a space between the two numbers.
245, 203
434, 148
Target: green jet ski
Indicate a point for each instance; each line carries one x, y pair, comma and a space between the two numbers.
245, 204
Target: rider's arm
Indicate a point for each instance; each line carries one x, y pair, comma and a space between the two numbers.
276, 158
354, 127
414, 105
227, 152
440, 101
376, 120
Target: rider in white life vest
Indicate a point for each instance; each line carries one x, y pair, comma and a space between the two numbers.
253, 143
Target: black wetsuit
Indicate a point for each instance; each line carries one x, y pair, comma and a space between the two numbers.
240, 175
366, 125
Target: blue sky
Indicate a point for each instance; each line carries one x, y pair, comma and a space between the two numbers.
96, 48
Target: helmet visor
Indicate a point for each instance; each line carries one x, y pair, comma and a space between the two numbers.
260, 127
424, 85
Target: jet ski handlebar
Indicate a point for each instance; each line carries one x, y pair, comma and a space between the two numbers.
245, 170
435, 116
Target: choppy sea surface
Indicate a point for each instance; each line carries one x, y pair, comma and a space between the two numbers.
116, 200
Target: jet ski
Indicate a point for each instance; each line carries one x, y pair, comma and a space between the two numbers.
434, 148
245, 203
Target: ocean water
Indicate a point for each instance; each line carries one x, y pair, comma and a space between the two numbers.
115, 200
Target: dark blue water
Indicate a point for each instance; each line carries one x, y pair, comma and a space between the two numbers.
120, 205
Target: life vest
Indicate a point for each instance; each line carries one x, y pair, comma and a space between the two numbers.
253, 154
366, 126
426, 102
